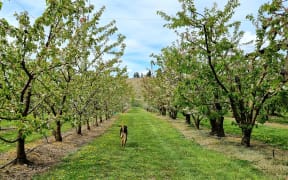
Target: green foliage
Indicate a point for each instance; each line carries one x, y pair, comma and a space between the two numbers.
278, 104
215, 69
154, 150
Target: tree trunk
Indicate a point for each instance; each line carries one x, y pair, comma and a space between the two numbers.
163, 111
187, 118
196, 120
106, 112
246, 136
217, 126
197, 123
58, 136
88, 125
220, 128
219, 119
101, 120
79, 129
213, 124
173, 113
96, 121
21, 154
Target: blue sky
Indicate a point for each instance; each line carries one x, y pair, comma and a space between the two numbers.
138, 21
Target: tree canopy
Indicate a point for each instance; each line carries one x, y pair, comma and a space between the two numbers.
212, 68
59, 68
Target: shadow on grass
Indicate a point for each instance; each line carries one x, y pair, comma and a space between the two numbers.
132, 145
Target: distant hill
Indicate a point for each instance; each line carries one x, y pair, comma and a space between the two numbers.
136, 83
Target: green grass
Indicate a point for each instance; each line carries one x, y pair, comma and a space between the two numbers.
155, 150
270, 135
280, 120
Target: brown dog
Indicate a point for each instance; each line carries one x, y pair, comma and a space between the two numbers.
123, 135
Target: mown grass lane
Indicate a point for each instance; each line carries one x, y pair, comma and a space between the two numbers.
155, 150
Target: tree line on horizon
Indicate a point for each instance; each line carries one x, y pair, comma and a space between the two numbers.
140, 75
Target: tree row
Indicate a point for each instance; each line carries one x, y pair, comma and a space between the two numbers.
64, 66
209, 70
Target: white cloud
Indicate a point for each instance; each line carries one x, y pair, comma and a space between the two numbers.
248, 36
138, 21
245, 41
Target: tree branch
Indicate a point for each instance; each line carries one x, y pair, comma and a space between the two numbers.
9, 141
210, 61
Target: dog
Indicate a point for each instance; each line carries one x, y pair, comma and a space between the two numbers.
123, 135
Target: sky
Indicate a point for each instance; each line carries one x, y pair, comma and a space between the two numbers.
138, 21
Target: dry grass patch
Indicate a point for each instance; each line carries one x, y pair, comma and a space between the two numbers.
276, 125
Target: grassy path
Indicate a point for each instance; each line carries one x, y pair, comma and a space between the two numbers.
155, 150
